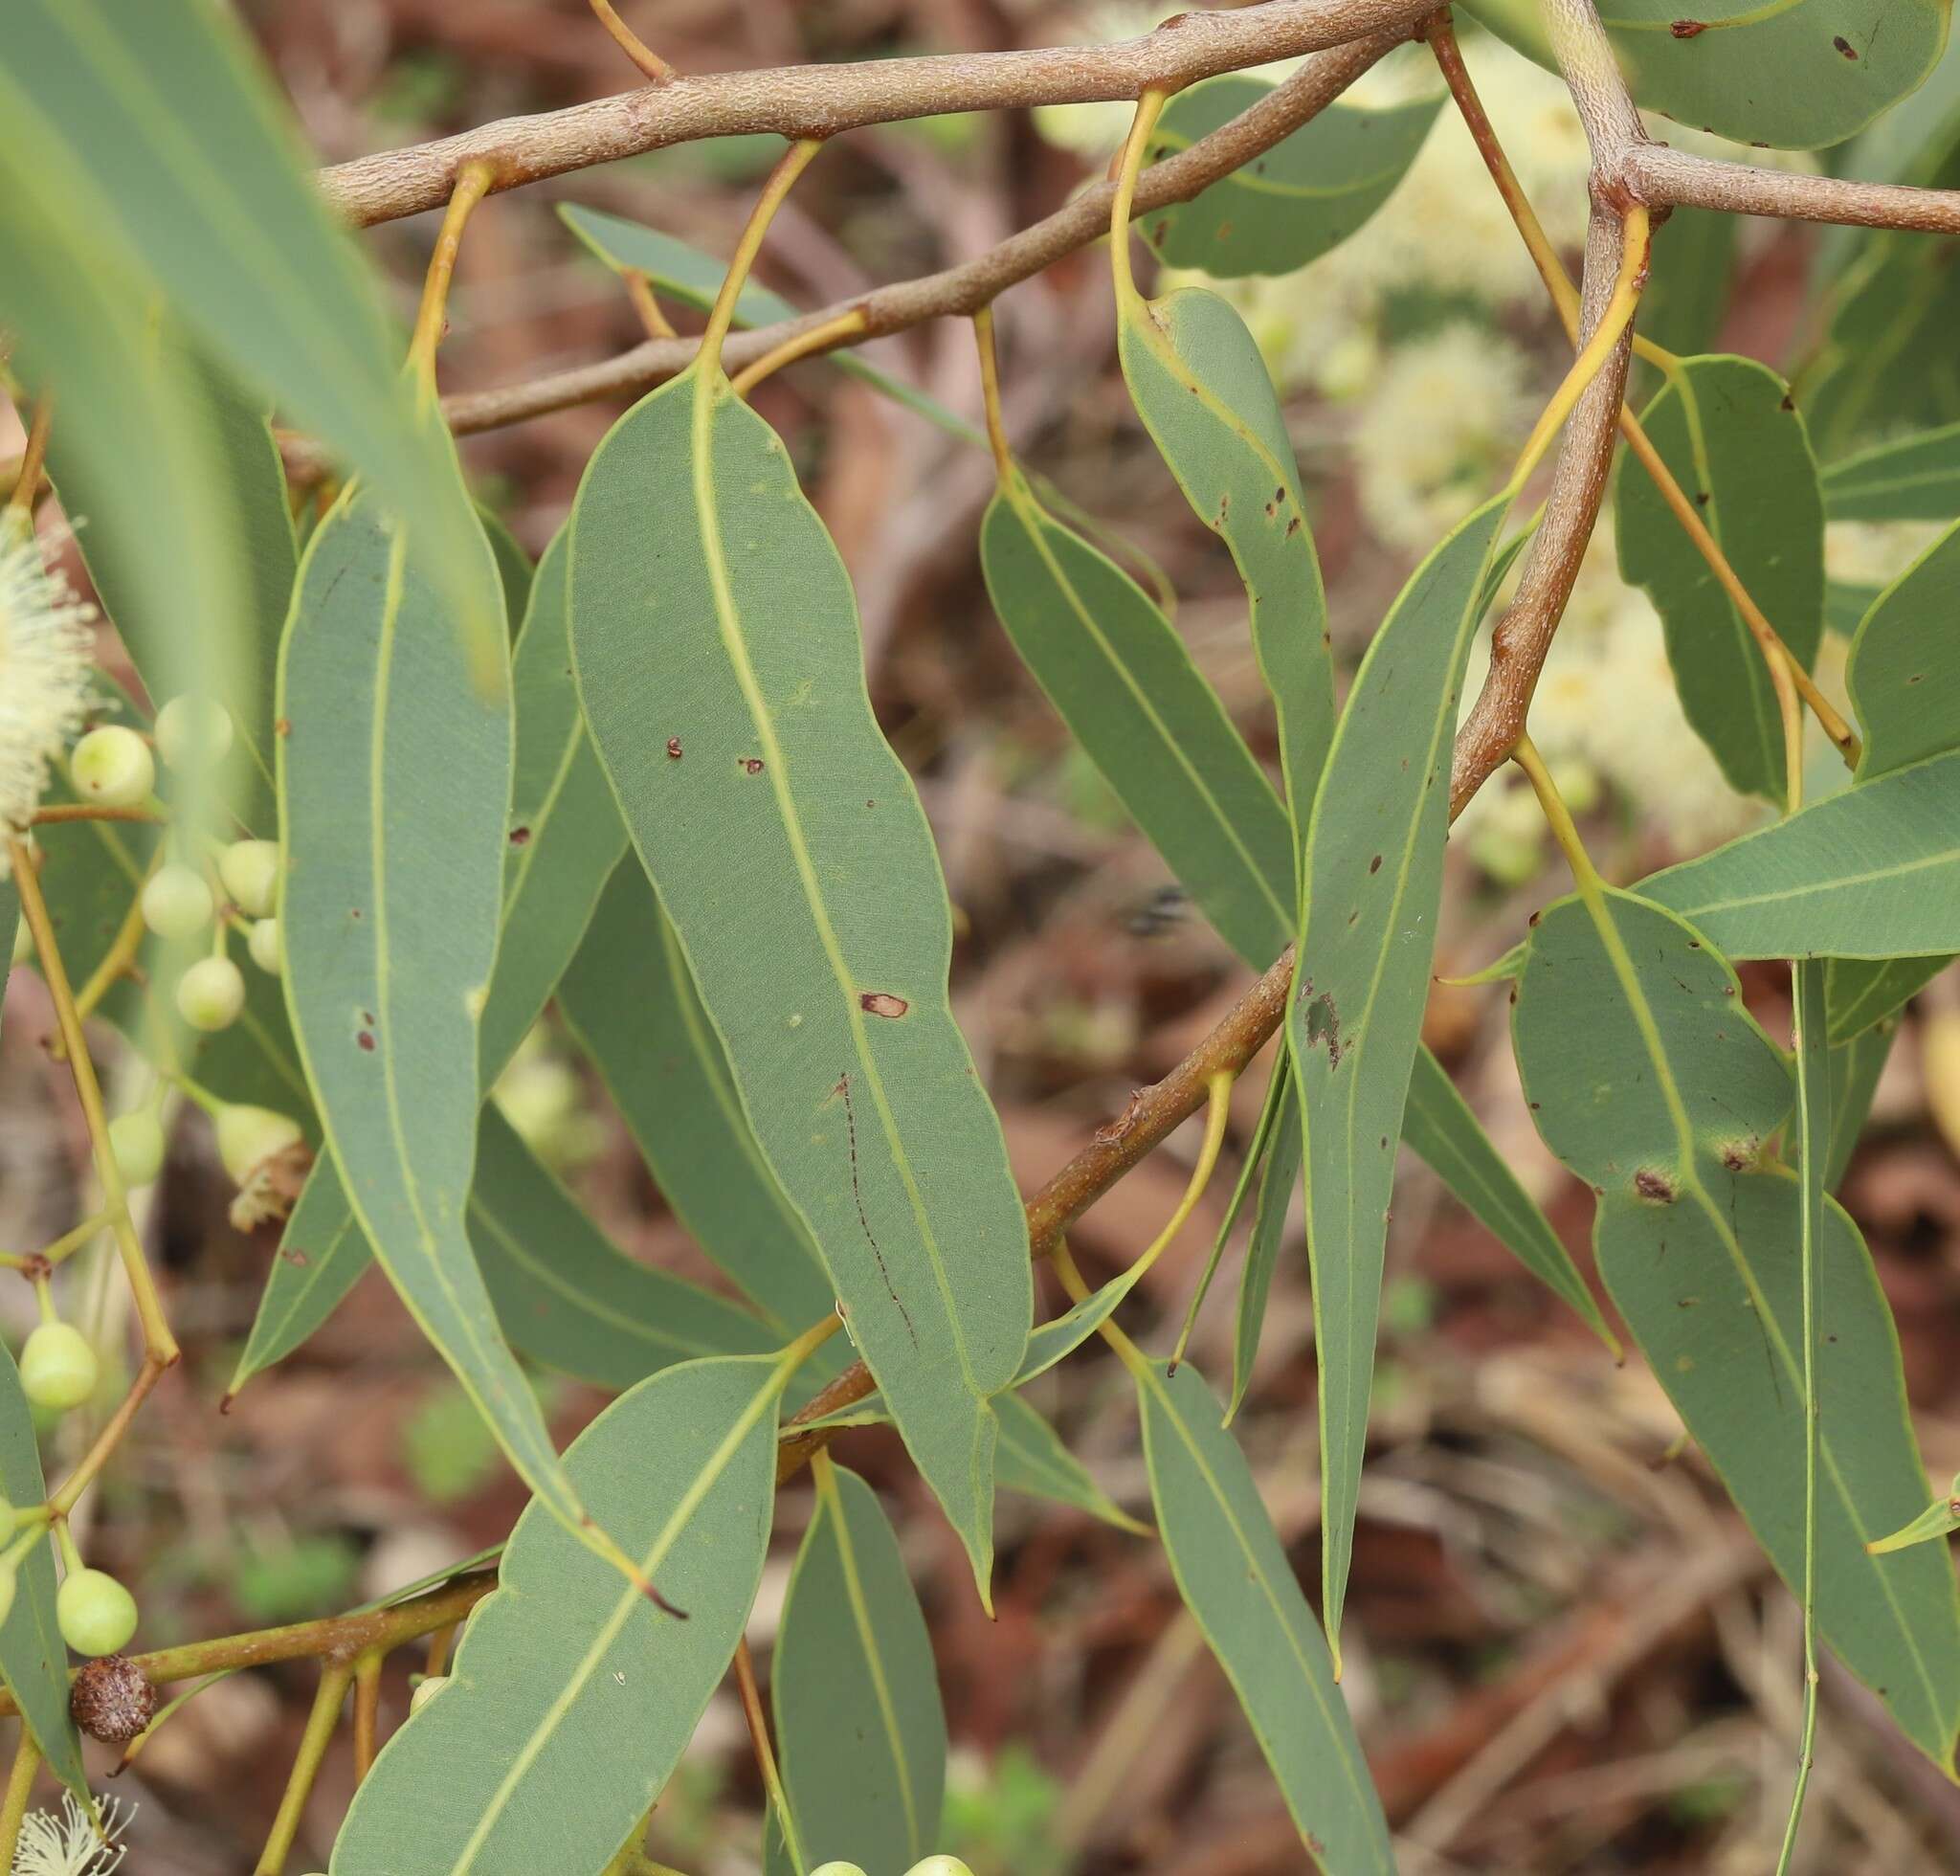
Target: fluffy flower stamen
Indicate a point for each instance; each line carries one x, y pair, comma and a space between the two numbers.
45, 650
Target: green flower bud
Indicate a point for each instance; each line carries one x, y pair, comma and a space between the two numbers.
940, 1866
837, 1870
193, 733
97, 1614
426, 1690
113, 768
249, 1137
59, 1368
137, 1141
176, 902
251, 872
211, 993
267, 950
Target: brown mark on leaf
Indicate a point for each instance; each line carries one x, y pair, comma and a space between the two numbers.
882, 1003
752, 764
1324, 1024
1789, 402
1375, 864
1657, 1188
283, 727
1844, 46
843, 1088
295, 1256
366, 1039
1292, 526
1739, 1155
1687, 28
520, 837
673, 748
1224, 508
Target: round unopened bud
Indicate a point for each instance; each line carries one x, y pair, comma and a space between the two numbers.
264, 942
249, 1137
426, 1690
113, 768
193, 733
111, 1699
137, 1140
837, 1870
211, 993
176, 902
96, 1613
59, 1368
939, 1865
251, 872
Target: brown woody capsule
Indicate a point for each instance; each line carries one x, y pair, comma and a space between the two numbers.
111, 1699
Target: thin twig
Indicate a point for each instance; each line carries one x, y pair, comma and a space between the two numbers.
366, 1710
796, 101
764, 1755
20, 1786
1671, 178
27, 481
632, 44
320, 1725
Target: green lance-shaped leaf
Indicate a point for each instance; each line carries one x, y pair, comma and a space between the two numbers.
1914, 478
1304, 196
566, 836
1279, 1181
1865, 990
1119, 674
861, 1732
32, 1655
716, 641
630, 1003
1854, 1066
322, 1251
515, 572
1940, 1519
1735, 443
693, 278
1904, 672
159, 110
1374, 860
1235, 1580
395, 778
1872, 872
572, 1697
1441, 1127
1796, 76
1203, 393
1650, 1081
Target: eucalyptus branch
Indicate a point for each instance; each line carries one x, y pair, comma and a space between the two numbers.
954, 291
1670, 178
800, 101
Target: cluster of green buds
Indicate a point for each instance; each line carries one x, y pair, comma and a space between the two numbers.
113, 767
939, 1865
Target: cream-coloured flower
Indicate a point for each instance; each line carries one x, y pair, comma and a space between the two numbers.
1440, 430
44, 669
1876, 552
66, 1844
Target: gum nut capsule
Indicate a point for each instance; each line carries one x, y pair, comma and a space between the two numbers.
193, 733
112, 1700
176, 902
113, 768
251, 872
426, 1690
211, 993
137, 1140
249, 1137
59, 1368
96, 1614
263, 943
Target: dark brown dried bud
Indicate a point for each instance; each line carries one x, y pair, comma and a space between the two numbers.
111, 1699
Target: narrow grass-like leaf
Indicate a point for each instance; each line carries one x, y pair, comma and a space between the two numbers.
1913, 478
1304, 196
1798, 76
1201, 389
568, 1297
1115, 668
1649, 1080
861, 1732
716, 641
629, 1000
572, 1697
395, 779
566, 835
1374, 860
693, 278
32, 1655
1736, 444
1279, 1182
1904, 672
1235, 1580
159, 107
1060, 1337
1871, 872
1441, 1127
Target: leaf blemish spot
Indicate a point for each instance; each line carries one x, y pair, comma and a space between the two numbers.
673, 748
366, 1039
752, 764
1687, 28
1657, 1188
1375, 864
520, 837
1844, 46
882, 1003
